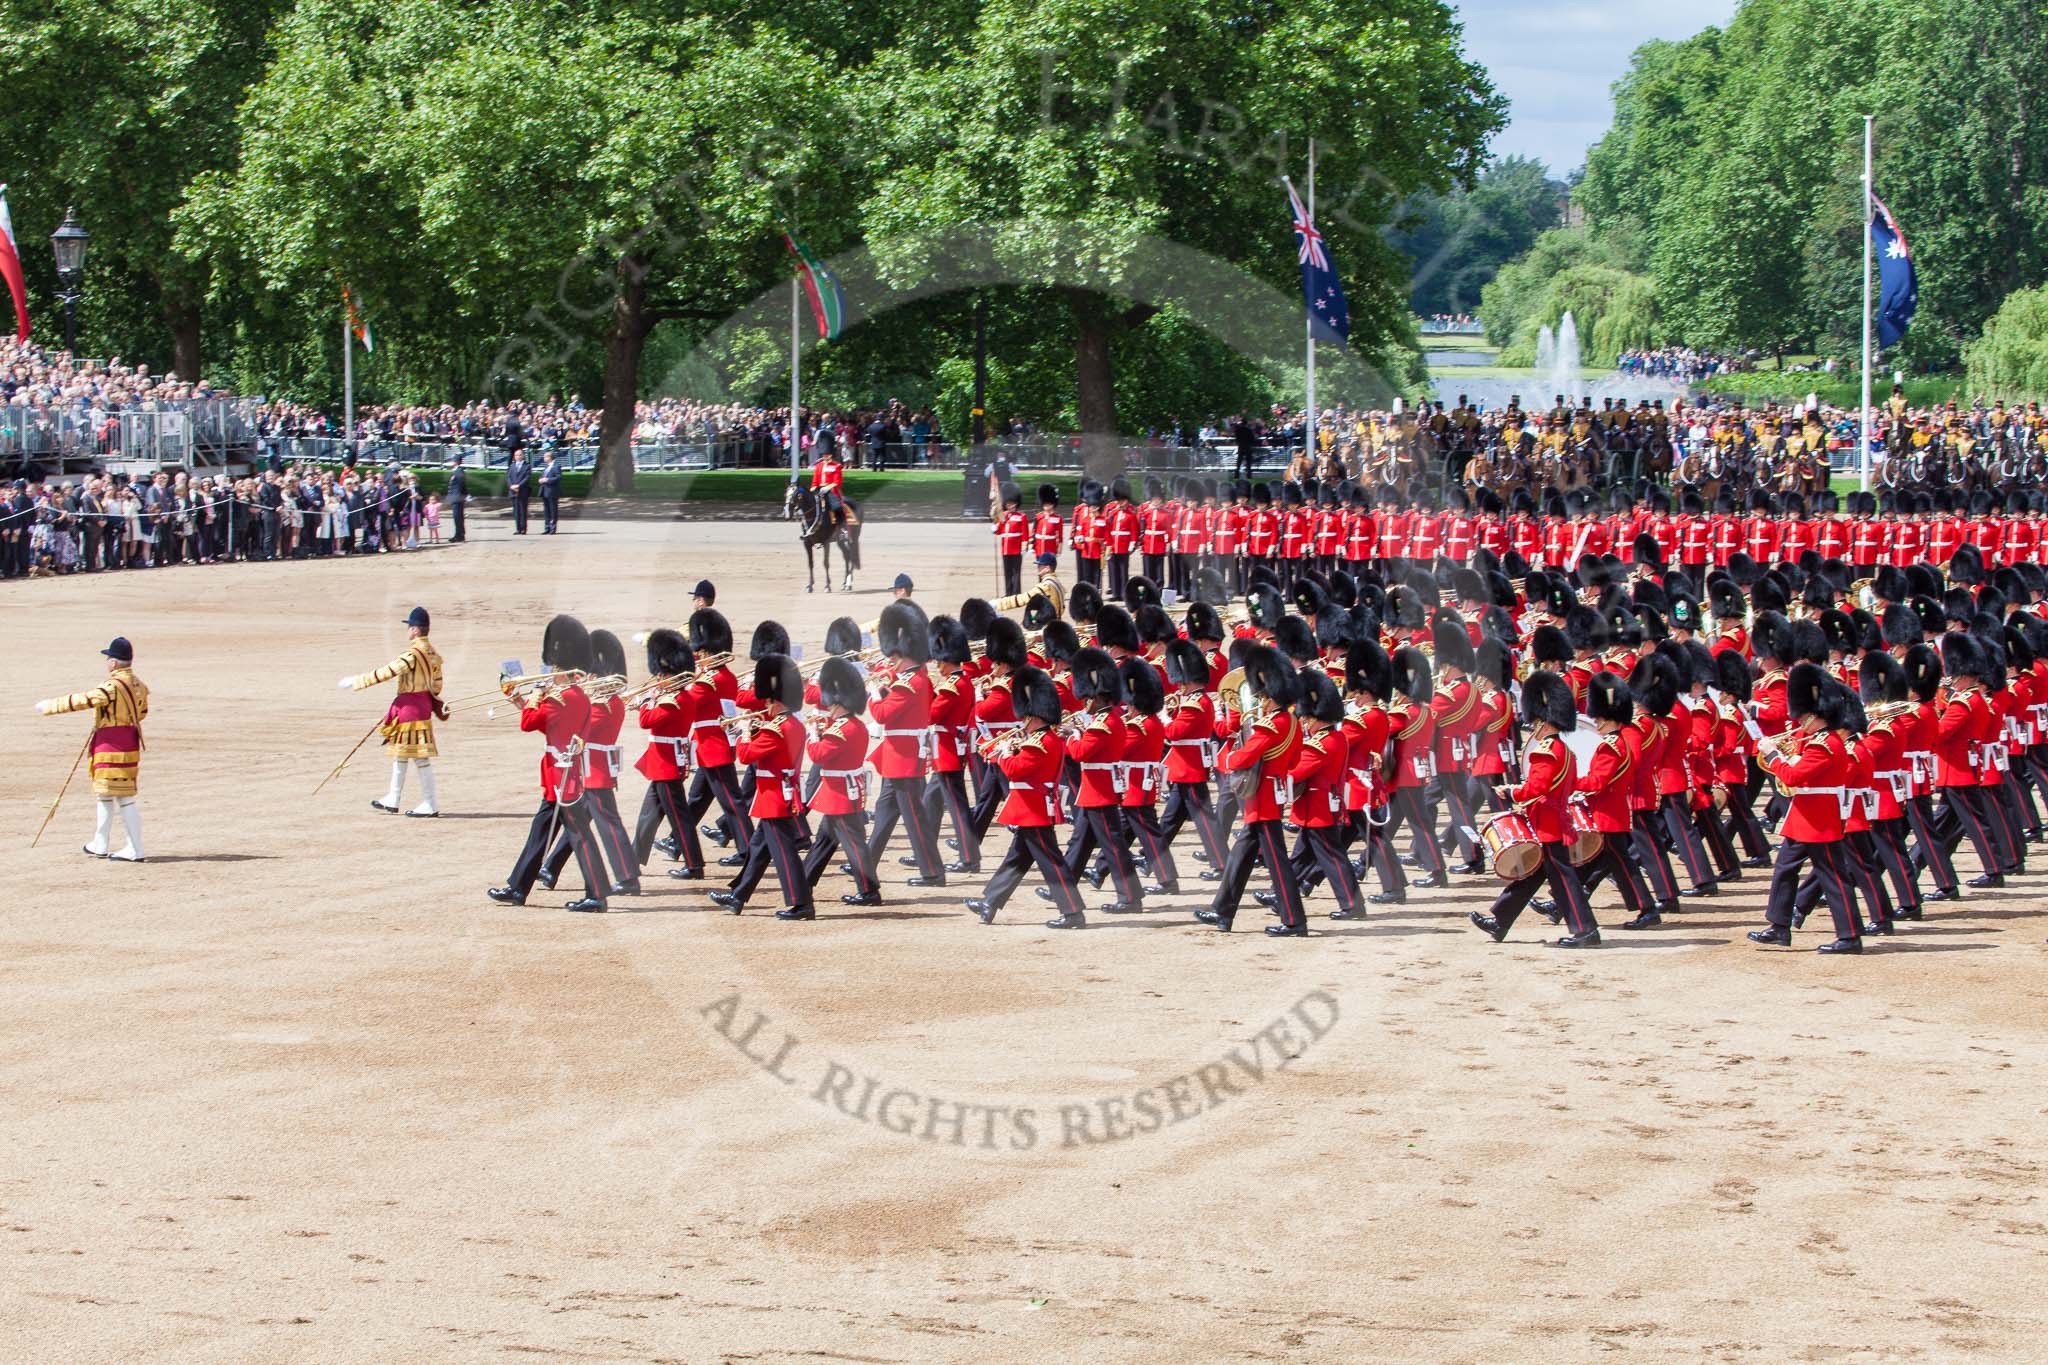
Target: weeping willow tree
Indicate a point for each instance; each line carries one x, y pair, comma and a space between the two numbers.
2010, 360
1614, 310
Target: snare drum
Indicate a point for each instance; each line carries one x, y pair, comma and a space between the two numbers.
1586, 836
1511, 847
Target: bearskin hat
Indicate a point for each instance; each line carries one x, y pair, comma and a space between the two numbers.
1772, 636
1089, 491
1333, 630
1142, 688
1367, 668
1006, 644
1095, 675
1933, 620
607, 655
1141, 592
1685, 612
668, 653
1649, 594
977, 615
1265, 608
1039, 612
1724, 599
776, 679
1453, 646
1654, 680
1155, 627
904, 630
1320, 699
1966, 566
1343, 590
840, 683
842, 636
1901, 626
1032, 694
1731, 675
1608, 698
1203, 622
1411, 676
1186, 665
1647, 550
1881, 678
1768, 594
1114, 629
1803, 689
769, 638
1586, 631
1083, 603
1548, 698
1271, 675
1808, 641
710, 633
1493, 662
1294, 639
1819, 594
1549, 645
1061, 642
1210, 589
565, 644
950, 644
1048, 495
1309, 598
1842, 635
1120, 489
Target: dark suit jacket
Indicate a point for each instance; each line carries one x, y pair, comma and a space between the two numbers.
516, 474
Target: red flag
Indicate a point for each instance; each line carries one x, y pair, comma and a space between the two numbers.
10, 267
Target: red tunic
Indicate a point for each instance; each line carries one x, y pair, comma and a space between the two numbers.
1318, 777
840, 754
1048, 531
1010, 533
561, 719
1099, 752
1546, 790
707, 697
903, 717
1413, 734
1190, 737
1821, 777
1269, 746
667, 721
1033, 770
1155, 528
1608, 783
1144, 759
601, 771
952, 713
1123, 529
775, 752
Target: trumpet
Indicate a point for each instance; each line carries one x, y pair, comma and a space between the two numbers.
515, 688
606, 687
748, 718
514, 681
1880, 713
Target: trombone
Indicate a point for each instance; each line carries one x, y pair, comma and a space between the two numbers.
510, 687
515, 680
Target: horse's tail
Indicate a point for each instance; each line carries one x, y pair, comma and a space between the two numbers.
852, 546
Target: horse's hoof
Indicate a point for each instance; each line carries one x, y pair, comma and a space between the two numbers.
809, 588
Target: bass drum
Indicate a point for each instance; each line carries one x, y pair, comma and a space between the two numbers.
1511, 847
1586, 836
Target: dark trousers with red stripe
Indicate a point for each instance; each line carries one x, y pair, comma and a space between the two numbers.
990, 789
1678, 827
1928, 849
2004, 811
1962, 814
1141, 824
1379, 850
1187, 801
721, 785
667, 800
1831, 883
1565, 888
774, 841
836, 832
903, 797
947, 792
1743, 822
1102, 827
573, 819
1407, 810
1612, 861
1888, 839
608, 832
1458, 797
1650, 856
1261, 841
1319, 856
1034, 845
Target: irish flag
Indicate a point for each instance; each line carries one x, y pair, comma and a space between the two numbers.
10, 266
828, 300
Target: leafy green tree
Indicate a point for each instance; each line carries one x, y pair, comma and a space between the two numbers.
1459, 241
2010, 360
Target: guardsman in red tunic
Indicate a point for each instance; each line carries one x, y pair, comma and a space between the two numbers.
1030, 758
1413, 742
1760, 532
1048, 532
1831, 536
839, 755
603, 762
1155, 529
774, 749
1233, 527
1192, 536
119, 706
1944, 536
1319, 774
1882, 683
1550, 777
1190, 751
1144, 770
1425, 534
1004, 656
902, 712
1297, 533
1867, 534
1331, 526
1965, 723
561, 716
1452, 713
1727, 531
1262, 529
1605, 789
714, 694
1815, 764
1012, 530
952, 714
1695, 537
1089, 527
409, 724
667, 714
1097, 750
1266, 749
1120, 537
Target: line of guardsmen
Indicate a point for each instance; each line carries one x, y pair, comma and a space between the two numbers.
1617, 724
1195, 523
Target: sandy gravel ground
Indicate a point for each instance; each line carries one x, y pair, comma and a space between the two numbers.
295, 1089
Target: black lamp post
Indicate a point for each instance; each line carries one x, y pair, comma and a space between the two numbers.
69, 242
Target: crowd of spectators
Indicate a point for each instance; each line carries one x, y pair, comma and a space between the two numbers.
1681, 363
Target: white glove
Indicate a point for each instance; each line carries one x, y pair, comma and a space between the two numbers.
46, 708
347, 684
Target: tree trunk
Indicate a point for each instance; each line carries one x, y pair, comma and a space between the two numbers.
181, 315
1095, 395
623, 343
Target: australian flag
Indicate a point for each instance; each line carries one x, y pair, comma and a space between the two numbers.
1328, 315
1898, 286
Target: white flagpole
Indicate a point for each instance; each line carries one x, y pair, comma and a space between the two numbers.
1309, 327
795, 374
348, 382
1863, 436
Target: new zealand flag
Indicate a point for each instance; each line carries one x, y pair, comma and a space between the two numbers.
1329, 316
1898, 286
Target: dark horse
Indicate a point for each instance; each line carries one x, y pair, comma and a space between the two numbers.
818, 527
